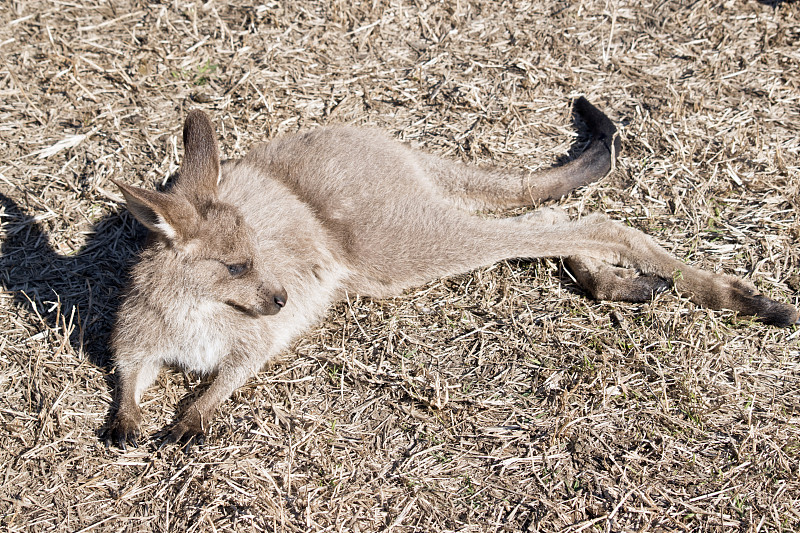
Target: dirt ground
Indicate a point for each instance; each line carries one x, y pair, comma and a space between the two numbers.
499, 400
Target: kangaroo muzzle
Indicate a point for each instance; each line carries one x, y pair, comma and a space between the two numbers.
270, 300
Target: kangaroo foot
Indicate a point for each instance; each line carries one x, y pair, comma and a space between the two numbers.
613, 283
124, 430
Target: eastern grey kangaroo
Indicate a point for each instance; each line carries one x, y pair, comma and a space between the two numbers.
244, 256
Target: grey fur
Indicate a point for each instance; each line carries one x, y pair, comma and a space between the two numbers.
243, 262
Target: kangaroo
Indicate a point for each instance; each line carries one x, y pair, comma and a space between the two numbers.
245, 256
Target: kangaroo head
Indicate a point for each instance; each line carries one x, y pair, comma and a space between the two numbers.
215, 248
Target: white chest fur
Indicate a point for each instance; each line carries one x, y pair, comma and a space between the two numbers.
199, 341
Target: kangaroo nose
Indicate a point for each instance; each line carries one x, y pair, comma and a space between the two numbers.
271, 300
280, 298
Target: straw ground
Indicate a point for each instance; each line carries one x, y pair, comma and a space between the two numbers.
500, 400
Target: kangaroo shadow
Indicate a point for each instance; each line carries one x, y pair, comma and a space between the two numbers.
84, 287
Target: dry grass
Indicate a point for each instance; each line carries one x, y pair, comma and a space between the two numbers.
500, 400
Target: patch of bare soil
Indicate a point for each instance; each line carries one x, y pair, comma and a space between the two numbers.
499, 400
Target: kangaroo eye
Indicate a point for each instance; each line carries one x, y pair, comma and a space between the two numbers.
238, 269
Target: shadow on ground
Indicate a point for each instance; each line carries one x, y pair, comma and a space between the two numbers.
84, 287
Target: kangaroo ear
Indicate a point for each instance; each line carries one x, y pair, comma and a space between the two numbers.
200, 169
170, 215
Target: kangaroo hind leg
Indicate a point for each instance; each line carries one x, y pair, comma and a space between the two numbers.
602, 280
633, 267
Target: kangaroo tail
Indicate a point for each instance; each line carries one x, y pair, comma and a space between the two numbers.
600, 126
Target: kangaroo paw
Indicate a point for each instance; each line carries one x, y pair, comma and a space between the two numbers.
612, 283
775, 313
123, 430
746, 299
188, 431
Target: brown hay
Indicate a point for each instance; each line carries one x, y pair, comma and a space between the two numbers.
500, 400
